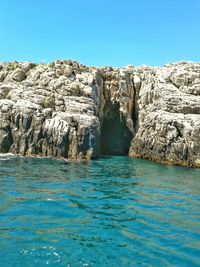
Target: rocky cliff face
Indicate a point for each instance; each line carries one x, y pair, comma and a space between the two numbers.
67, 110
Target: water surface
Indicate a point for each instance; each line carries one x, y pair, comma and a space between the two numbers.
114, 211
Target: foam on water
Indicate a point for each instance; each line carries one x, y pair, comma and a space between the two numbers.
6, 156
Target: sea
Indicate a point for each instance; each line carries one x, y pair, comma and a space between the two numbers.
112, 211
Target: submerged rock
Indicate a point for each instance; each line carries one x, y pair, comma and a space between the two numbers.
67, 110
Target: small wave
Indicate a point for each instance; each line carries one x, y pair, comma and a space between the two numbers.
50, 199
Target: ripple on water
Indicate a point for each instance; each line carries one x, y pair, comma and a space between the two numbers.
114, 211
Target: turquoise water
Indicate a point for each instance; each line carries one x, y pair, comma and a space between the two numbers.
114, 211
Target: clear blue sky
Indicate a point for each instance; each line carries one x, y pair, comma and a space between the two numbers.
104, 32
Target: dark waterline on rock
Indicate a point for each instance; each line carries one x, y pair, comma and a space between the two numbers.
114, 211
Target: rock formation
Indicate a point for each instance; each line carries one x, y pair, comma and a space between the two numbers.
67, 110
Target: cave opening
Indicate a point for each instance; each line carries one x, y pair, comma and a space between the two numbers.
115, 135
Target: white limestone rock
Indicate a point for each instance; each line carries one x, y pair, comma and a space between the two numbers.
65, 110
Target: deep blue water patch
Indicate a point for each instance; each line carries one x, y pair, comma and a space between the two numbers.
114, 211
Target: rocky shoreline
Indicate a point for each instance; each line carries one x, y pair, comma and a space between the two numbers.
64, 109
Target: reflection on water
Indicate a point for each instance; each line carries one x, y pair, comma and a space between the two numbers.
114, 211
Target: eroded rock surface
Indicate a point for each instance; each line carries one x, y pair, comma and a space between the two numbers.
67, 110
49, 110
169, 115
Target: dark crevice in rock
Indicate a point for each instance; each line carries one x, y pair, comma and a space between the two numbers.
134, 114
135, 111
115, 135
134, 119
6, 140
